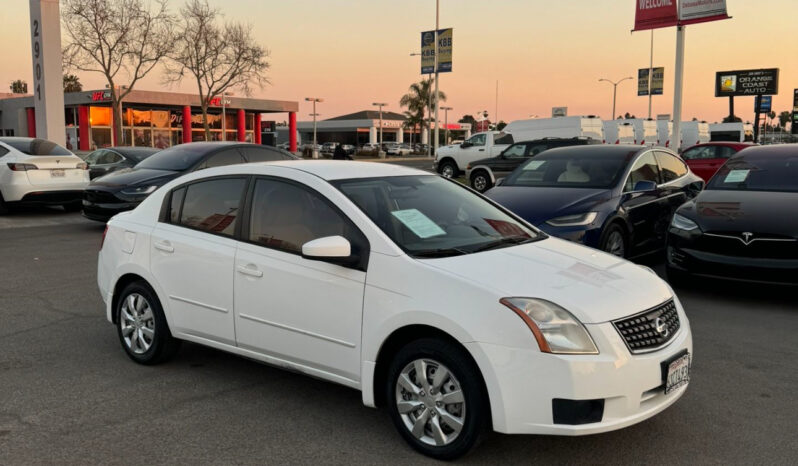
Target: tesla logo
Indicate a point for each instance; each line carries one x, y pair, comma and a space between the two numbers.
661, 327
747, 237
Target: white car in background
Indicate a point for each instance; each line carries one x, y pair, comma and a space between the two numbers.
433, 301
37, 171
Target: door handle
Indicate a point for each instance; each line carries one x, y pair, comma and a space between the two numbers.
249, 270
482, 150
164, 246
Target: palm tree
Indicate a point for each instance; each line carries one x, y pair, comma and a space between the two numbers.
72, 83
784, 118
418, 99
412, 122
19, 87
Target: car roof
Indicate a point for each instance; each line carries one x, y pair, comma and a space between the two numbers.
722, 143
325, 169
599, 150
774, 150
125, 150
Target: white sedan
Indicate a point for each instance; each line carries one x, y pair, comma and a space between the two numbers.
431, 300
37, 171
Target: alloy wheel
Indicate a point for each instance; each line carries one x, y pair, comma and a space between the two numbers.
615, 244
430, 402
447, 171
137, 323
480, 183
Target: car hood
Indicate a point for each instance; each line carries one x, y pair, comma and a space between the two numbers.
594, 286
134, 176
738, 211
536, 205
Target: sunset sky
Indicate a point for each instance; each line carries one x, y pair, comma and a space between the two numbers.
544, 53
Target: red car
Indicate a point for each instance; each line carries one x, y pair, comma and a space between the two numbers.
705, 159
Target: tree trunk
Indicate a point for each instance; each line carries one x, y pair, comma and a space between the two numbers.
205, 120
116, 120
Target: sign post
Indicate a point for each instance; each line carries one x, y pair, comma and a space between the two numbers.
48, 90
794, 126
436, 57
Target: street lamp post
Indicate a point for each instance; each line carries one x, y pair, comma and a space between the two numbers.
380, 105
614, 91
224, 116
446, 123
314, 114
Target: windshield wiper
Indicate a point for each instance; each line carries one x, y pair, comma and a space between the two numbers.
442, 252
504, 242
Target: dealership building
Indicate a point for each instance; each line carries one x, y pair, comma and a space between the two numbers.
364, 127
152, 119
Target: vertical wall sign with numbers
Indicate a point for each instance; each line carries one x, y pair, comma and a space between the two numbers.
45, 35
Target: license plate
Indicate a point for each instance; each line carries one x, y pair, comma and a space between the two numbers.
57, 173
677, 372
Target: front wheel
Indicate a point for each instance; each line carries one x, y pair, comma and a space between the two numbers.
142, 327
614, 241
448, 169
436, 398
480, 181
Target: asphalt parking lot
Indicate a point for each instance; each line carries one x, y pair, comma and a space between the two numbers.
69, 394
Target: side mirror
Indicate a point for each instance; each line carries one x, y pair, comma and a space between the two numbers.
499, 181
329, 247
466, 145
695, 188
645, 186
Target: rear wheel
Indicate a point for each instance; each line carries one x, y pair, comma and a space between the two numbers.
480, 181
614, 241
142, 327
448, 169
436, 398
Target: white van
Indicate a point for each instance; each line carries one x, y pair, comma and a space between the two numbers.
694, 132
562, 127
645, 131
731, 132
619, 132
664, 133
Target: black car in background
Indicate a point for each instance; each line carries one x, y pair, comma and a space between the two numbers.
744, 226
110, 159
482, 174
125, 189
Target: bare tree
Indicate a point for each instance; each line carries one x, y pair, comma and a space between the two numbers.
218, 56
122, 39
19, 87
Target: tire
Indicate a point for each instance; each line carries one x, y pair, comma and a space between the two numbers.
423, 403
448, 169
73, 206
615, 241
480, 181
139, 310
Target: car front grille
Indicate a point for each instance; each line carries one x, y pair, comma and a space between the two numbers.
100, 197
755, 245
649, 330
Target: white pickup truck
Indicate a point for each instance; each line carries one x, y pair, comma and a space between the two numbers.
452, 160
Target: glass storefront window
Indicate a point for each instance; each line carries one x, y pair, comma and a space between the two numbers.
142, 137
141, 117
161, 139
197, 136
250, 121
176, 119
177, 137
160, 118
100, 137
100, 116
231, 121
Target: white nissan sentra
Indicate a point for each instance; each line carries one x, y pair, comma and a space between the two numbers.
431, 300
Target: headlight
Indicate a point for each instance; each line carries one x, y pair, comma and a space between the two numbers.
573, 220
683, 223
555, 329
139, 190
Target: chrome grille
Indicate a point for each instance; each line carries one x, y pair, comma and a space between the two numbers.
649, 330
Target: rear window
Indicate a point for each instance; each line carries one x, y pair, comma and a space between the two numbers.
36, 146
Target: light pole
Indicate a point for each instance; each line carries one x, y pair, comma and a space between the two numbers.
380, 104
224, 117
314, 115
446, 122
437, 27
614, 91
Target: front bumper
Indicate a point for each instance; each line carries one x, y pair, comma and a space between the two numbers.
102, 205
685, 255
583, 234
524, 383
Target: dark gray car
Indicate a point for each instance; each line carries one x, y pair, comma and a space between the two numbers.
110, 159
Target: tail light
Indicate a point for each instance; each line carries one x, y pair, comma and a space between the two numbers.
82, 166
102, 241
22, 167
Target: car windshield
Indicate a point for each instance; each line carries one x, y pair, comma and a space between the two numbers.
36, 146
757, 173
428, 216
568, 168
177, 158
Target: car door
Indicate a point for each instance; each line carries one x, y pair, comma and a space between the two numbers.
509, 160
192, 254
304, 311
103, 161
642, 207
673, 190
474, 150
704, 161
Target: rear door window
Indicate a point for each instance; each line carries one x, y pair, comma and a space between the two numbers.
671, 168
221, 159
261, 154
212, 205
515, 151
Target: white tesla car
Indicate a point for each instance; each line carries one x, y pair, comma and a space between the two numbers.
37, 171
430, 299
